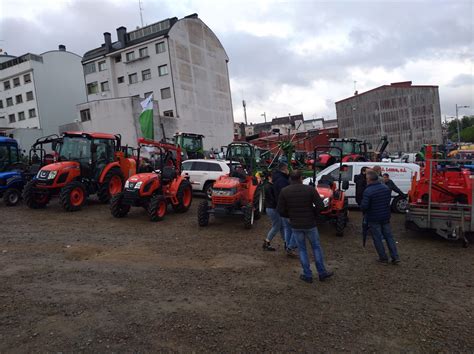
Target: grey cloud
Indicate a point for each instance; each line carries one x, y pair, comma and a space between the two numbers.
462, 80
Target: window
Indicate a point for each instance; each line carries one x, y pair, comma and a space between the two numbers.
26, 78
120, 80
199, 166
143, 52
9, 101
130, 56
146, 74
19, 99
29, 96
11, 118
1, 103
186, 166
346, 175
163, 70
2, 117
92, 88
165, 93
16, 81
118, 59
85, 115
104, 86
215, 167
168, 114
32, 113
6, 85
102, 65
89, 68
133, 78
160, 47
148, 94
21, 115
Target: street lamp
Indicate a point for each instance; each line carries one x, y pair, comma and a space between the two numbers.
457, 120
264, 115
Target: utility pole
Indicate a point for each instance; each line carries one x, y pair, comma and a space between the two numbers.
141, 14
245, 110
457, 121
264, 115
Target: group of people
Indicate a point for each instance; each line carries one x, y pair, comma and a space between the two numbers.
293, 208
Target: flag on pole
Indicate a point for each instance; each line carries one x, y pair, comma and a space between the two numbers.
146, 118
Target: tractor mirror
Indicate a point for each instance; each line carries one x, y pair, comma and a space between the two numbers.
345, 185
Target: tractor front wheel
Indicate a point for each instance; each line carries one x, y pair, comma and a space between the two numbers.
203, 215
184, 195
249, 216
12, 197
157, 208
113, 184
118, 209
258, 204
32, 196
341, 222
73, 196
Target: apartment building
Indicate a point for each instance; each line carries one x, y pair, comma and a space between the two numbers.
40, 91
181, 62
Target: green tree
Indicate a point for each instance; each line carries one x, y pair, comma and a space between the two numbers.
452, 126
467, 134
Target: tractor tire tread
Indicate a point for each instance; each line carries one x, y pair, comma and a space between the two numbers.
116, 208
29, 196
65, 199
154, 205
180, 207
203, 215
6, 196
103, 192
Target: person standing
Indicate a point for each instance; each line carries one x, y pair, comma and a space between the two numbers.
376, 207
299, 203
391, 184
280, 181
270, 209
360, 183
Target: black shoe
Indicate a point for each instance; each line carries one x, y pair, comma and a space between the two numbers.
267, 247
325, 276
395, 261
306, 279
382, 261
291, 253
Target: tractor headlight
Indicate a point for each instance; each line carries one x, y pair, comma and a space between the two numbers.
52, 174
326, 202
127, 184
138, 185
224, 192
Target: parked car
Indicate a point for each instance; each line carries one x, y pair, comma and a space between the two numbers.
203, 173
400, 174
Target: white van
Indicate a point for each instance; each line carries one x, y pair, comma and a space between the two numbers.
400, 174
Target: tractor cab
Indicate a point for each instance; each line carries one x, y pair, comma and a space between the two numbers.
9, 154
343, 149
12, 178
239, 192
191, 145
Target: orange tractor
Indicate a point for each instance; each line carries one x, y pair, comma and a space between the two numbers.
239, 192
157, 185
88, 163
334, 197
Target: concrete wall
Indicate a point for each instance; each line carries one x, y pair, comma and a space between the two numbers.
26, 137
120, 116
201, 82
409, 116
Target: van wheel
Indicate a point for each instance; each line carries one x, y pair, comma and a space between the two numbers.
399, 204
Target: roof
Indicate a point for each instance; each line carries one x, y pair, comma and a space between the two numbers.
157, 29
289, 119
92, 135
403, 84
6, 140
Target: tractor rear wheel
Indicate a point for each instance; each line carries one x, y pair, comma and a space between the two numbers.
118, 209
113, 184
33, 199
249, 216
73, 196
184, 195
258, 203
341, 220
11, 197
157, 208
203, 215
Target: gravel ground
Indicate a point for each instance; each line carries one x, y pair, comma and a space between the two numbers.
85, 281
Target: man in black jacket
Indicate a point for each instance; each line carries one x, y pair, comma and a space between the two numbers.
391, 184
270, 210
299, 202
360, 183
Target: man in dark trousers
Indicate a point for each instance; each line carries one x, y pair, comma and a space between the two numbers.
280, 181
360, 182
300, 203
376, 207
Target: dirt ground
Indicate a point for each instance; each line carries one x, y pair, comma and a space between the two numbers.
85, 281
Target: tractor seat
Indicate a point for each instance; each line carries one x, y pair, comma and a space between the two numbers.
168, 174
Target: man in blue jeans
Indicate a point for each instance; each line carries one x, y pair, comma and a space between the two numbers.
376, 207
300, 203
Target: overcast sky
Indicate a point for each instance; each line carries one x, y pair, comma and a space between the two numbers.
285, 57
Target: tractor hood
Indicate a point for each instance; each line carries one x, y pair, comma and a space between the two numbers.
226, 182
59, 166
324, 192
142, 177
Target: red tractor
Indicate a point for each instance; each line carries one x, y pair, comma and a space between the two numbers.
87, 163
238, 193
345, 150
160, 186
334, 197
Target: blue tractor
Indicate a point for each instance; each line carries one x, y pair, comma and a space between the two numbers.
12, 177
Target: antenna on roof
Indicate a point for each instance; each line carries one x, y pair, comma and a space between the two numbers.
140, 8
355, 88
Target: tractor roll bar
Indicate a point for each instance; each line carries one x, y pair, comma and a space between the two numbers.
321, 147
163, 147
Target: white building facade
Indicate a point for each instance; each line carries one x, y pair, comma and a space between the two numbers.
181, 62
40, 91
